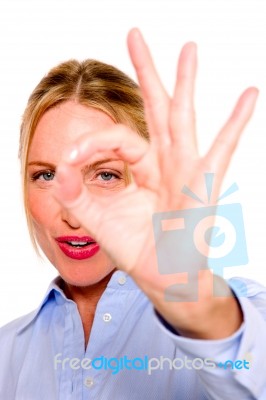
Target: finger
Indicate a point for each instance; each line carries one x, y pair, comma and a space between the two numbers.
73, 195
118, 139
219, 155
68, 184
118, 142
156, 99
182, 113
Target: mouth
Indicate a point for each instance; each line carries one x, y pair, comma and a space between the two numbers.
78, 248
79, 245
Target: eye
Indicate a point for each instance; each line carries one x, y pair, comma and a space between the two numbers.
104, 178
48, 176
44, 176
107, 176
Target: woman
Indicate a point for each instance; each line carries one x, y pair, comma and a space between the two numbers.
115, 324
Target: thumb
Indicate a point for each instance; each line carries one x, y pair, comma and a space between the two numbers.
73, 195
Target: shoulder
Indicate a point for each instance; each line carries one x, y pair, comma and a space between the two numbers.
15, 338
12, 328
251, 290
23, 325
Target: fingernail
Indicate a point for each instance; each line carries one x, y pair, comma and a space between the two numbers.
71, 155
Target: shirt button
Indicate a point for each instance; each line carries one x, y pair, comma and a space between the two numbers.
122, 280
107, 317
88, 382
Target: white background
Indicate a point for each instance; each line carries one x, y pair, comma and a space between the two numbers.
36, 35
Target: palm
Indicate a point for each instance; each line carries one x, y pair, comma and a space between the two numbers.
128, 218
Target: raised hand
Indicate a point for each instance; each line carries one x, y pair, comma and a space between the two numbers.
160, 169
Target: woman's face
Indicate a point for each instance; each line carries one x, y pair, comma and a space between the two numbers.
78, 259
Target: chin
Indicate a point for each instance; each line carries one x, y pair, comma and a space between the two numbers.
81, 273
84, 276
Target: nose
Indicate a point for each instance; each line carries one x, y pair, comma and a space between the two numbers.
69, 219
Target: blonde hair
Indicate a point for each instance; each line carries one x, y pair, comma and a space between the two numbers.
90, 83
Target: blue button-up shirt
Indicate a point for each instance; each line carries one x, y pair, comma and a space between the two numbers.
131, 355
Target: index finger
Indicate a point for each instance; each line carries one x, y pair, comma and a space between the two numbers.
156, 99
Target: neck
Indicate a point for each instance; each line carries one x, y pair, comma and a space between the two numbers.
86, 298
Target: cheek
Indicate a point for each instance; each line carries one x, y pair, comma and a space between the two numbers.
43, 208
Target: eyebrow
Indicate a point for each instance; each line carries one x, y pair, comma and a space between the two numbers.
42, 164
91, 166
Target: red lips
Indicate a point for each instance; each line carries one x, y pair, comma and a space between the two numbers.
78, 247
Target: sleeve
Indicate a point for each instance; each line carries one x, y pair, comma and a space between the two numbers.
234, 367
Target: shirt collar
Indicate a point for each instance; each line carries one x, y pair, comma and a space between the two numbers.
118, 281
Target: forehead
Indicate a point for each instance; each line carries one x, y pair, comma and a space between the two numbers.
62, 125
